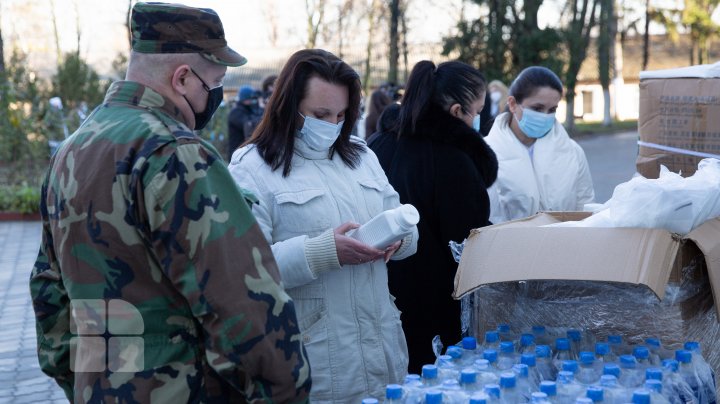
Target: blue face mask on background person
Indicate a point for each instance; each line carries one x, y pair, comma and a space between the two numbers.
319, 134
535, 124
476, 123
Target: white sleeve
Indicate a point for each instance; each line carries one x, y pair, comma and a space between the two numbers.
583, 184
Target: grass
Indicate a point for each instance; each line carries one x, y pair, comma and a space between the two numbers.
596, 128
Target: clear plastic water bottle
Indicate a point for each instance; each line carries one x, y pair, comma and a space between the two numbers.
452, 392
393, 394
617, 347
595, 393
575, 338
433, 397
455, 352
688, 373
413, 388
642, 356
705, 373
492, 340
492, 356
540, 334
485, 373
602, 354
675, 388
523, 384
505, 333
588, 373
656, 396
430, 376
613, 392
630, 375
469, 351
562, 352
657, 353
508, 388
388, 227
447, 368
506, 359
527, 344
469, 380
568, 389
550, 388
545, 366
493, 392
534, 376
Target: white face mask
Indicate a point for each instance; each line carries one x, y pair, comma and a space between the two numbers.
318, 134
495, 96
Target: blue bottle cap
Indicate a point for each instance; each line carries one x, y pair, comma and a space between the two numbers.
412, 377
653, 385
615, 339
653, 342
433, 397
490, 355
369, 401
429, 372
393, 391
454, 351
491, 336
482, 363
583, 400
521, 370
538, 329
570, 366
587, 358
562, 344
538, 397
641, 352
542, 351
671, 364
492, 390
507, 380
653, 374
507, 347
548, 387
692, 346
641, 396
602, 348
528, 359
445, 359
565, 376
595, 393
627, 361
469, 343
611, 369
574, 335
683, 356
608, 380
503, 327
468, 376
527, 339
478, 399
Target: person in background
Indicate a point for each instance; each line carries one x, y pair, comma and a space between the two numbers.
378, 101
267, 87
498, 97
153, 282
441, 165
315, 183
541, 168
243, 118
386, 124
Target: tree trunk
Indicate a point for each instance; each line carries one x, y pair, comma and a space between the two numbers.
2, 50
646, 37
618, 77
605, 43
570, 113
405, 51
53, 15
394, 41
77, 23
368, 49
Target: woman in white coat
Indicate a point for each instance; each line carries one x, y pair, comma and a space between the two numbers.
315, 183
540, 167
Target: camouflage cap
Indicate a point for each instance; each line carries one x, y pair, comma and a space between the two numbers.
175, 28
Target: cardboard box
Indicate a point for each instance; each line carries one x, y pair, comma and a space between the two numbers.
639, 283
679, 124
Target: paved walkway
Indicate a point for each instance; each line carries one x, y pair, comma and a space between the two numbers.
21, 380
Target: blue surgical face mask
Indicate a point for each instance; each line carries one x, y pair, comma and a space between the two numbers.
535, 124
318, 134
476, 123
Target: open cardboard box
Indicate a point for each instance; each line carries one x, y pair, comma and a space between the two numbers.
524, 250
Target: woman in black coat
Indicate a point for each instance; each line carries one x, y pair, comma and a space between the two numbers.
440, 164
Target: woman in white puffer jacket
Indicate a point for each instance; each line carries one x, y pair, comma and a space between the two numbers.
315, 182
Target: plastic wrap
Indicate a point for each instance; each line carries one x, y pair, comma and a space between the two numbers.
601, 308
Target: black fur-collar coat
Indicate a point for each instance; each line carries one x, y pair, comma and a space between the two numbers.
444, 169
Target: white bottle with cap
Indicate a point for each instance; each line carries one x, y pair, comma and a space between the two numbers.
388, 227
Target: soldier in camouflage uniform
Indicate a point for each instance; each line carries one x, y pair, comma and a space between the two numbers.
153, 282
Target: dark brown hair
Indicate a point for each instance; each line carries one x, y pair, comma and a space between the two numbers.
275, 134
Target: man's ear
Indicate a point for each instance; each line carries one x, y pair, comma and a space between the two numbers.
456, 110
179, 79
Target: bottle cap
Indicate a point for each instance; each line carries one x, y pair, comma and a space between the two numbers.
369, 401
528, 359
608, 380
527, 339
492, 390
478, 398
469, 343
429, 372
491, 336
521, 370
468, 376
692, 346
570, 365
482, 363
641, 352
654, 385
490, 355
503, 327
433, 397
595, 393
671, 364
602, 348
538, 329
393, 391
548, 387
565, 376
407, 215
587, 358
683, 356
627, 361
574, 335
454, 351
507, 347
507, 380
444, 360
562, 344
653, 342
538, 397
611, 369
615, 339
653, 374
641, 396
583, 400
542, 351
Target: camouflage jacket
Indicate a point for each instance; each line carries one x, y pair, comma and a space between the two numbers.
153, 282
